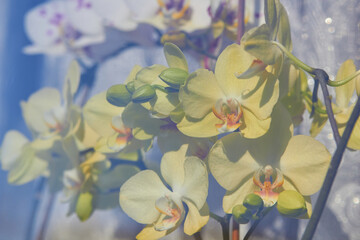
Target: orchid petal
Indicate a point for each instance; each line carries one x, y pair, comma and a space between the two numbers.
196, 218
11, 148
305, 163
174, 57
345, 92
139, 194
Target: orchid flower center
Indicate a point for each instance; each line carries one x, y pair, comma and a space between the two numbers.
170, 213
266, 193
123, 133
230, 112
55, 121
174, 9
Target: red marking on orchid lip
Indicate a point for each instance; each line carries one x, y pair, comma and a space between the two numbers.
230, 113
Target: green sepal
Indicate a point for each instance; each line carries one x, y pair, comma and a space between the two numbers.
291, 204
118, 95
174, 77
143, 94
253, 202
84, 206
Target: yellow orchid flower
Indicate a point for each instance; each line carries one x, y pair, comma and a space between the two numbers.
47, 116
286, 162
220, 102
146, 199
343, 108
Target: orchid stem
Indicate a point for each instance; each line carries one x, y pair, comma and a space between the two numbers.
256, 223
225, 224
322, 77
241, 20
46, 219
331, 174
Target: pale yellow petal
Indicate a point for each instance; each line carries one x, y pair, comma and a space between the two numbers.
174, 57
196, 183
345, 92
235, 197
139, 194
252, 127
195, 218
98, 113
132, 74
230, 161
38, 104
163, 103
261, 95
202, 128
11, 148
72, 79
172, 167
341, 119
149, 233
233, 60
305, 163
200, 93
150, 75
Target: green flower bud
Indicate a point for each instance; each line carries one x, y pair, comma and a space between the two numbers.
241, 214
253, 201
118, 95
291, 204
130, 86
143, 94
174, 77
84, 206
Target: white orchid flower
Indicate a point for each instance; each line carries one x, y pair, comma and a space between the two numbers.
146, 199
58, 26
46, 115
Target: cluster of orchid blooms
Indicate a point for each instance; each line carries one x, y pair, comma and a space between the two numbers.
235, 122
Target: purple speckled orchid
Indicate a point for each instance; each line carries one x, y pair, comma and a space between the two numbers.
60, 26
173, 15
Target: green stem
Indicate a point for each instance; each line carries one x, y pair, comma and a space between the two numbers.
256, 223
330, 176
297, 61
344, 81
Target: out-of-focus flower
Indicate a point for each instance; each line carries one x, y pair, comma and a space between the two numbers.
173, 15
146, 199
24, 160
47, 116
219, 103
343, 108
71, 25
239, 164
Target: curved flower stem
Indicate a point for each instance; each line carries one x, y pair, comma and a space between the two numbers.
241, 20
322, 77
253, 227
46, 219
225, 224
330, 176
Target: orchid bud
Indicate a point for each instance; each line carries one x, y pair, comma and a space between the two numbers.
130, 86
241, 214
253, 202
118, 95
291, 204
143, 94
84, 206
174, 77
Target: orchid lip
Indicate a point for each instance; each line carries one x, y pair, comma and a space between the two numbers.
266, 193
170, 213
230, 112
